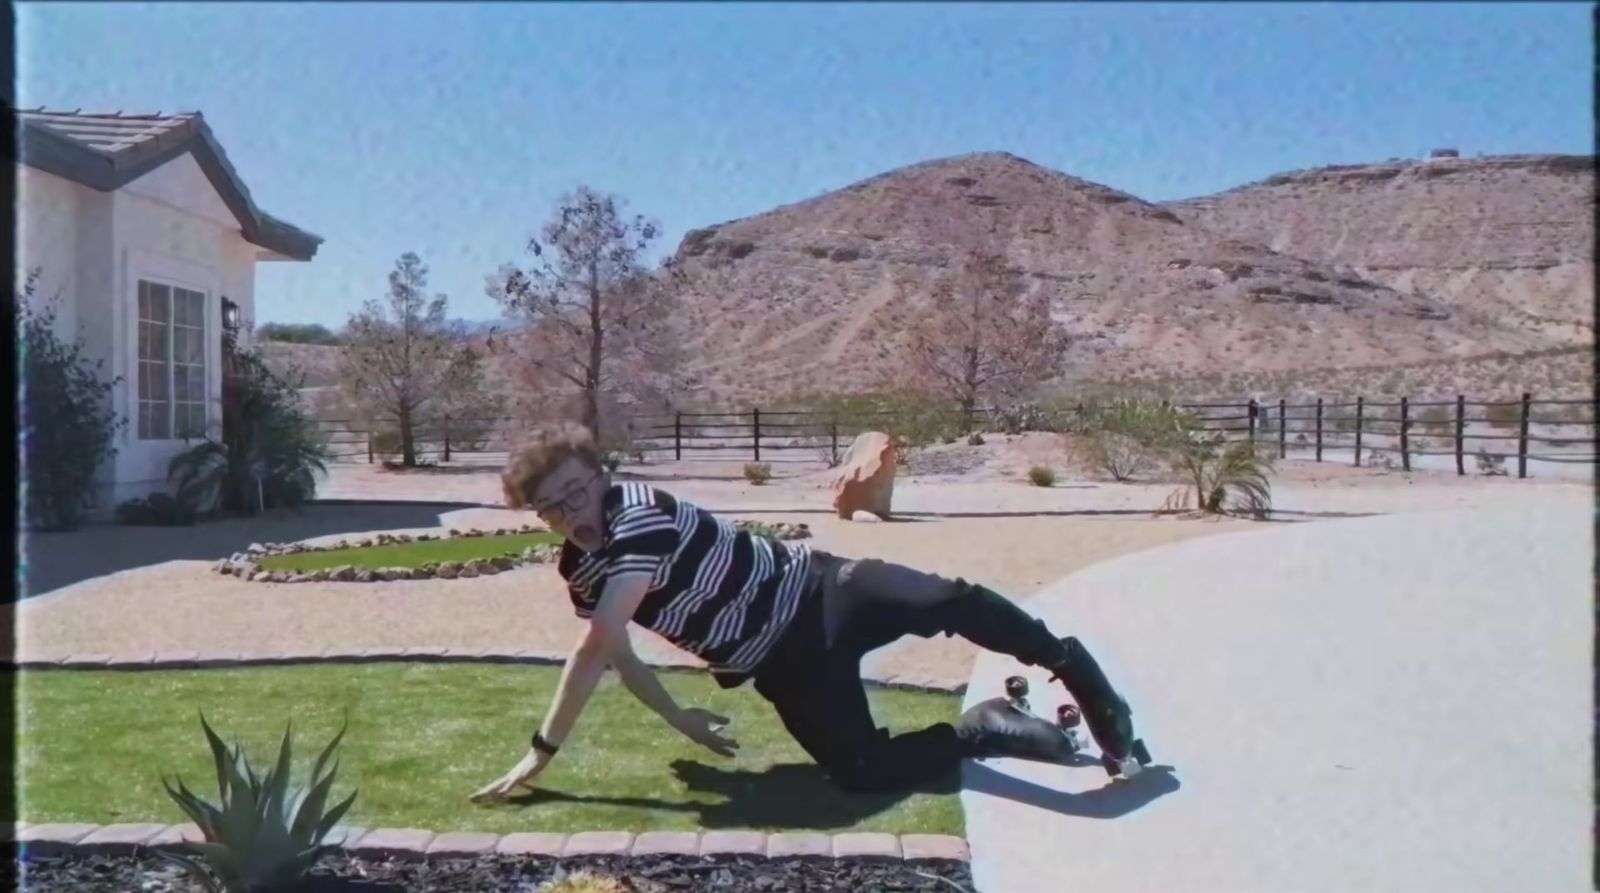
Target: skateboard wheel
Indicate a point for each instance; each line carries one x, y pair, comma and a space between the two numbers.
1140, 752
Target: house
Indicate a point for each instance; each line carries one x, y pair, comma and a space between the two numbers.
150, 239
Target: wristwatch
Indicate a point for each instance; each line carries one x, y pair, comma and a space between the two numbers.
543, 746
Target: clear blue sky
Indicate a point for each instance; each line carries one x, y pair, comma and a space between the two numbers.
452, 130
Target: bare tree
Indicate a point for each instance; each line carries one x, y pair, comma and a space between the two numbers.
403, 360
981, 336
601, 325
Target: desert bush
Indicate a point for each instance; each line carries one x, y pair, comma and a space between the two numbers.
1222, 478
1436, 420
1128, 437
385, 442
469, 434
271, 459
68, 428
1489, 464
156, 510
758, 473
1040, 476
911, 419
1504, 415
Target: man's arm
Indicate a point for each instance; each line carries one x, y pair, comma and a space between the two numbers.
641, 680
700, 726
589, 659
598, 647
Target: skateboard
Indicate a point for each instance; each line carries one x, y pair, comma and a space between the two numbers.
1069, 719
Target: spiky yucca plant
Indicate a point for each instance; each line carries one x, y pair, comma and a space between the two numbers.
265, 835
1222, 478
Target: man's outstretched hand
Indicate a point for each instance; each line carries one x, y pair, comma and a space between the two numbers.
521, 775
705, 729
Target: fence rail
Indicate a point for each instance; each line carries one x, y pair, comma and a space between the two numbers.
1318, 427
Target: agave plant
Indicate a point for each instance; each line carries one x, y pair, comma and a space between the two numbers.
265, 834
1222, 478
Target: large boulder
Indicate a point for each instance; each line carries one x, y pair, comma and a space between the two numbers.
865, 481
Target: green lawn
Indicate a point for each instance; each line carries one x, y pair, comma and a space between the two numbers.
414, 554
92, 747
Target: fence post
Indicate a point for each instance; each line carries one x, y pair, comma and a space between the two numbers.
369, 446
1405, 439
1283, 429
1319, 429
677, 437
833, 433
1254, 410
447, 437
1522, 437
1461, 431
1361, 403
755, 424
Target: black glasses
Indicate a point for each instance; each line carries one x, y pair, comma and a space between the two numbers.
573, 500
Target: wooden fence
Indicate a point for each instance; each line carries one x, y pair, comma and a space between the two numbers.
1406, 428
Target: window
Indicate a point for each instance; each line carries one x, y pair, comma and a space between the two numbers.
172, 362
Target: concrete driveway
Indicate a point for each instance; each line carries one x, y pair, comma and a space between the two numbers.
1393, 703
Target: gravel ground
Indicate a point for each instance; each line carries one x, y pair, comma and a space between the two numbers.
175, 607
149, 874
985, 527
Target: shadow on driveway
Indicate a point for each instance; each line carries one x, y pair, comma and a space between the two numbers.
49, 561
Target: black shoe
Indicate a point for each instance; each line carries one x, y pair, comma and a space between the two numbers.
1107, 715
998, 728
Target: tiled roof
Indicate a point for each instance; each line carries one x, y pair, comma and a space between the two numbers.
116, 134
107, 151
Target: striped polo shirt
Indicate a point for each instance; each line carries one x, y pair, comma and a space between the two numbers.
718, 592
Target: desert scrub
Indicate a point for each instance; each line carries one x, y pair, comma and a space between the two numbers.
1040, 476
1129, 437
758, 473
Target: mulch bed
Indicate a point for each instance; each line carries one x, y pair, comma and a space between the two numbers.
333, 874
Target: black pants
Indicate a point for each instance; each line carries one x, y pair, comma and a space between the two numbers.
813, 677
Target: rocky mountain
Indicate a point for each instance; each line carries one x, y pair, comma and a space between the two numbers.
797, 299
1511, 236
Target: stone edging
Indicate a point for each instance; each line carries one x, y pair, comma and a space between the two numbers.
56, 839
193, 660
245, 566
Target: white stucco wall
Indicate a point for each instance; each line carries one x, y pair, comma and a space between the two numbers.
171, 227
92, 248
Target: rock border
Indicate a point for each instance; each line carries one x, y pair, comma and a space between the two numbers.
129, 838
245, 565
194, 660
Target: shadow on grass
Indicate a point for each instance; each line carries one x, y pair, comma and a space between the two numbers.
800, 795
788, 795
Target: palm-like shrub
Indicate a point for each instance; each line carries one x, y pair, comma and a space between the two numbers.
270, 461
1222, 478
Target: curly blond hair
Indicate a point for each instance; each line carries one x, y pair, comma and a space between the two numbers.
545, 450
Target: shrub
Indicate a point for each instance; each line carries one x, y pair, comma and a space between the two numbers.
156, 510
271, 460
68, 428
1128, 437
758, 473
1504, 415
1490, 464
612, 460
385, 442
1222, 478
1041, 476
1436, 420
